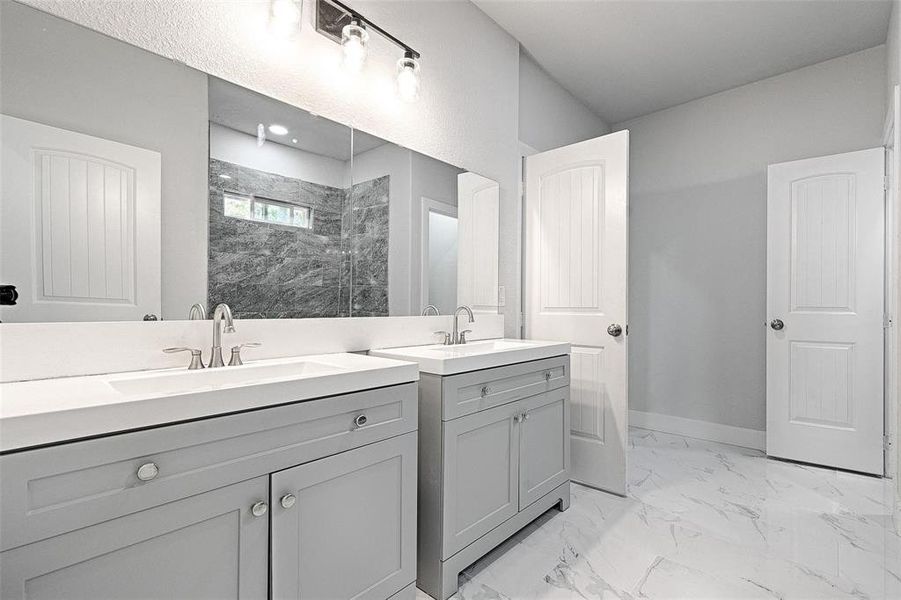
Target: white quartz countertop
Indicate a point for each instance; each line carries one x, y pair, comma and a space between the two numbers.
439, 359
34, 413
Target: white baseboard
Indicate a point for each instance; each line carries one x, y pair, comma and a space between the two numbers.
702, 430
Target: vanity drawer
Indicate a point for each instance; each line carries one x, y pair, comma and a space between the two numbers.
471, 392
49, 491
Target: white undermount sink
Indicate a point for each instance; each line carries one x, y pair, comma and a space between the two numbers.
439, 359
201, 380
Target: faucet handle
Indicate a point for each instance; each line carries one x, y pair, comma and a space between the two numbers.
462, 338
196, 360
235, 360
447, 337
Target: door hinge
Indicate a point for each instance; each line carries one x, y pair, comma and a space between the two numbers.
886, 321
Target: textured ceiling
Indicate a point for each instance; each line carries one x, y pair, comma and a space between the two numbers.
627, 58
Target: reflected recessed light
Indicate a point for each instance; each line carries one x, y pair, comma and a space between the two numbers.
293, 140
278, 129
225, 176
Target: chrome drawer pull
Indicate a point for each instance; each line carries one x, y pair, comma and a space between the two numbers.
485, 391
360, 420
259, 509
288, 500
148, 471
547, 375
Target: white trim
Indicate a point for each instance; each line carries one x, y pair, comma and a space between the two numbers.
524, 151
892, 141
702, 430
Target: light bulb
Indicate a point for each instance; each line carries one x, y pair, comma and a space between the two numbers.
408, 78
355, 42
278, 129
284, 17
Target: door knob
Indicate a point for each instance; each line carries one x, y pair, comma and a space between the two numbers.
615, 330
777, 324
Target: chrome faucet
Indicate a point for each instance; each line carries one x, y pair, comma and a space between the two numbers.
222, 312
198, 312
456, 336
432, 308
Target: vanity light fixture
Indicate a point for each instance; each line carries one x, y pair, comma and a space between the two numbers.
278, 129
339, 22
284, 17
408, 77
355, 44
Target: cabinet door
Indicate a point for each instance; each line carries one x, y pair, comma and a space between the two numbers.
205, 546
481, 474
351, 530
543, 445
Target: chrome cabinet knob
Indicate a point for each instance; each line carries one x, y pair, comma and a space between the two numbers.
485, 390
360, 420
777, 324
259, 509
547, 375
525, 416
148, 471
517, 418
288, 500
615, 330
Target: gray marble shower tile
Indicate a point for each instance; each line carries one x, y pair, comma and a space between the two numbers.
370, 193
370, 272
370, 301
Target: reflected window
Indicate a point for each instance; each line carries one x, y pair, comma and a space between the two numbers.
265, 210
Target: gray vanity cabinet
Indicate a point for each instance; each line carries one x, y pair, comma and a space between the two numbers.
481, 475
184, 511
205, 546
345, 526
543, 448
493, 455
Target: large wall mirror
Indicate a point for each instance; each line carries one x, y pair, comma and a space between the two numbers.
133, 187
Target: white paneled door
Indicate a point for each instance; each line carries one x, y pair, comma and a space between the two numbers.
80, 220
575, 281
478, 205
825, 304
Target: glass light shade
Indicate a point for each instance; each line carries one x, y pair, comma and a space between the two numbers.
285, 17
355, 42
408, 79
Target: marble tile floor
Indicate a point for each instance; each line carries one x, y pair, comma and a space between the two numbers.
704, 520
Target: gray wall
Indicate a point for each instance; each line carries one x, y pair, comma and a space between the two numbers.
698, 222
63, 75
549, 116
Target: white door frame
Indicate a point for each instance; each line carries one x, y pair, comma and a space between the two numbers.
524, 151
892, 142
429, 205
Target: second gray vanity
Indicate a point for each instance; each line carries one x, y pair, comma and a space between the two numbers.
493, 453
